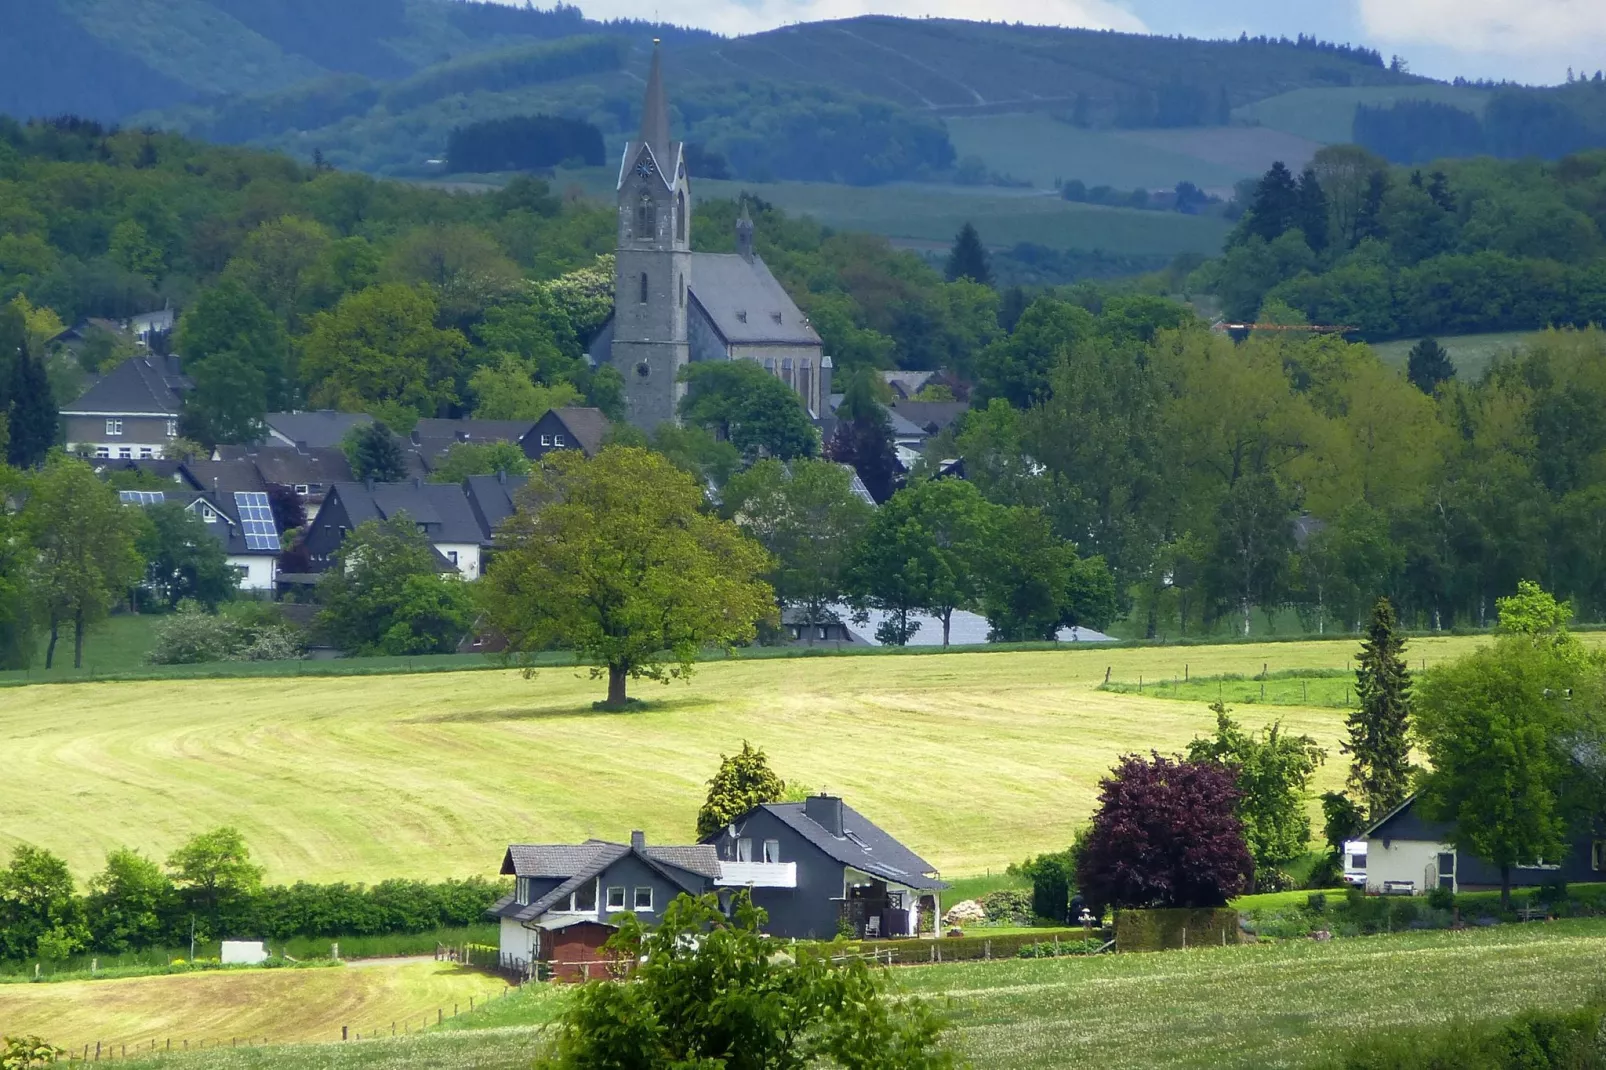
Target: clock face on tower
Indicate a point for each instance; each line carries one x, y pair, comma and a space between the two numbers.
645, 168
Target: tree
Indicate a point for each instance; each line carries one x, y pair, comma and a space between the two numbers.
748, 407
1276, 206
381, 345
213, 871
506, 392
1345, 173
374, 453
183, 559
969, 260
1166, 833
710, 991
386, 594
38, 912
31, 419
612, 557
464, 459
1026, 575
1379, 743
1428, 365
1272, 772
863, 437
1534, 614
86, 549
744, 780
1253, 540
228, 402
1313, 210
236, 351
17, 632
810, 520
926, 549
130, 902
1491, 724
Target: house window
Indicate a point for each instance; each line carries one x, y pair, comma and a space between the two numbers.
616, 897
451, 555
521, 894
643, 287
772, 850
144, 453
172, 428
824, 632
241, 574
114, 427
584, 898
302, 489
103, 452
1447, 870
644, 898
208, 515
557, 440
546, 440
744, 850
125, 453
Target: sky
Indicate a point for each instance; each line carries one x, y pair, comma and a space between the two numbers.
1533, 41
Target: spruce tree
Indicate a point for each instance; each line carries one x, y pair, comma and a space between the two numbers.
375, 454
1428, 365
1312, 210
744, 780
1379, 747
1276, 205
32, 419
1369, 220
969, 258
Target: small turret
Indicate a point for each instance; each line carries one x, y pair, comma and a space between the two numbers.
744, 234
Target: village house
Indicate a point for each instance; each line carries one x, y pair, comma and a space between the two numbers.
130, 413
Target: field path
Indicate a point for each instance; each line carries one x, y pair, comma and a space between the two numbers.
218, 1007
975, 759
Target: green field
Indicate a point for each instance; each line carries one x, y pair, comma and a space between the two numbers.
1333, 687
1472, 353
1282, 1005
974, 759
1041, 149
1328, 114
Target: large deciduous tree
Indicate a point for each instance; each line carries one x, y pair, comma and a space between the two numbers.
387, 595
1379, 743
1166, 834
183, 559
213, 871
808, 517
236, 351
85, 543
380, 346
711, 990
39, 914
748, 407
744, 780
1272, 771
614, 558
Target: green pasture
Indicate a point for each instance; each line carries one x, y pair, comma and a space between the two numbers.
1328, 114
1471, 353
1326, 688
432, 775
1290, 1004
1039, 148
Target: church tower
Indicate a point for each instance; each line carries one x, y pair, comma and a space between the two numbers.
652, 264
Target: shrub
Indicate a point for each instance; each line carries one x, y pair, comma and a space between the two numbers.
1316, 903
1441, 899
192, 636
1009, 905
274, 643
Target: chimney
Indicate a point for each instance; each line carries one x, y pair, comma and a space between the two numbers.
638, 840
301, 445
418, 482
744, 234
825, 811
501, 476
369, 483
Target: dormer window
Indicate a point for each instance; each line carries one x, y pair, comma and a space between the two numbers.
776, 316
741, 315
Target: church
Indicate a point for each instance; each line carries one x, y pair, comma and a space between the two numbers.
673, 306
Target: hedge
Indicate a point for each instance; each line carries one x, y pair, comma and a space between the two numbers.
967, 948
1163, 930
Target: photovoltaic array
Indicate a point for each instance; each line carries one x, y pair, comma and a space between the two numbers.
256, 520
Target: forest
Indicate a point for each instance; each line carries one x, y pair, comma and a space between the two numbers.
1517, 122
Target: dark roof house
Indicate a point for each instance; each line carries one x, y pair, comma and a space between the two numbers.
320, 429
442, 511
139, 386
566, 429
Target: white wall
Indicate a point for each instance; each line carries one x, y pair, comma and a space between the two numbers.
121, 450
468, 557
1401, 860
260, 571
516, 940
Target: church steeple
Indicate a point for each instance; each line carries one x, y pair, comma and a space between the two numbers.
744, 233
655, 111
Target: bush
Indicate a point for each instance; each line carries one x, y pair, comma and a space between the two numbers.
192, 636
1441, 899
1534, 1040
1010, 905
275, 643
1316, 903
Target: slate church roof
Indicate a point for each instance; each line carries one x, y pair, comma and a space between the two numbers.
745, 303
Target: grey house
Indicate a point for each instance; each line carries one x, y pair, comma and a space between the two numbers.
318, 429
573, 428
567, 898
1409, 853
819, 866
130, 413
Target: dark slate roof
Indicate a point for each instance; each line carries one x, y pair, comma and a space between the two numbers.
1406, 822
574, 864
742, 300
228, 530
442, 508
320, 429
222, 477
432, 437
865, 845
588, 426
290, 467
931, 416
139, 386
491, 498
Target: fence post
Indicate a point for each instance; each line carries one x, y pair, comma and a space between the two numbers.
440, 1015
1184, 939
97, 1051
470, 1006
344, 1035
986, 949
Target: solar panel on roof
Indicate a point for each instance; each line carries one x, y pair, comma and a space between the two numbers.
141, 497
256, 520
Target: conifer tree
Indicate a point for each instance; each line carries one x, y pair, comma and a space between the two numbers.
1379, 747
32, 419
744, 780
1276, 204
1312, 210
375, 454
1428, 365
969, 258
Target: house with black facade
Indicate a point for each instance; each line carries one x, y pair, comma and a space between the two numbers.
440, 510
567, 898
571, 428
819, 867
1408, 853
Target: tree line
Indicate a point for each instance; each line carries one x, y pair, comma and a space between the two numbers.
1516, 122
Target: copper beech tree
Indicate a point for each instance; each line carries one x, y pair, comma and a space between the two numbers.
614, 558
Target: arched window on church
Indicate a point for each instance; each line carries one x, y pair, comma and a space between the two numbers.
680, 216
683, 291
646, 218
643, 287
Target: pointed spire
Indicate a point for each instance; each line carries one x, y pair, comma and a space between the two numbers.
744, 232
655, 111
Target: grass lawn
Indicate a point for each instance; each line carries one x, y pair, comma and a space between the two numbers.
1471, 353
975, 760
1283, 1005
276, 1005
1328, 114
1331, 687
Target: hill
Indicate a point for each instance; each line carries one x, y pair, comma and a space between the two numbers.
432, 775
